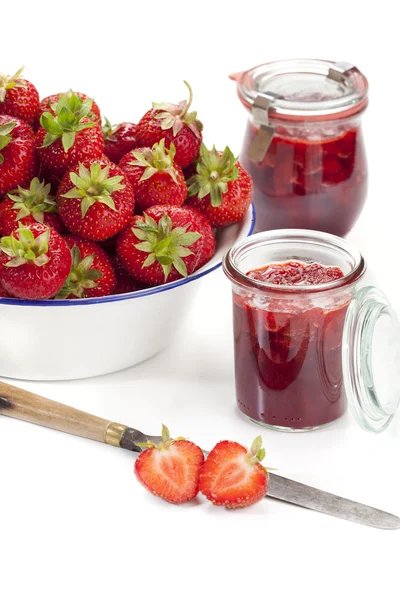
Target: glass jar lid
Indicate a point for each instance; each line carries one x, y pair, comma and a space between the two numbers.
305, 88
371, 359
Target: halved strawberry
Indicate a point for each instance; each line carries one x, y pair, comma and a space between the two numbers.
154, 176
232, 476
221, 188
18, 97
176, 124
171, 469
24, 206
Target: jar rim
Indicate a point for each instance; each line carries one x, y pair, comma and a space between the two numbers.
349, 86
289, 236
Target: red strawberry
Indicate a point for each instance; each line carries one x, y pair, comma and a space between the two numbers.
118, 140
92, 274
232, 476
165, 244
68, 135
221, 189
171, 469
18, 162
95, 200
34, 262
26, 206
18, 97
49, 103
154, 176
4, 293
200, 223
125, 283
174, 123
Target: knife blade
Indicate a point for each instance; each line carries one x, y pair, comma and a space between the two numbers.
306, 496
297, 493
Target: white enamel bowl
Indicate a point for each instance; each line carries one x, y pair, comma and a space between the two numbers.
72, 339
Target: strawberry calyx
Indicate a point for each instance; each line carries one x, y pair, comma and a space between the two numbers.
164, 243
256, 454
34, 201
175, 116
94, 185
81, 277
156, 159
214, 172
165, 444
8, 82
26, 248
70, 110
5, 137
109, 130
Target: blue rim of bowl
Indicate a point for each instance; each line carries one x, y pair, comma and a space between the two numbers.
128, 295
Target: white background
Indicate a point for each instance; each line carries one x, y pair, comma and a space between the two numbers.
74, 522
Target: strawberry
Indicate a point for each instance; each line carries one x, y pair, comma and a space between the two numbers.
67, 135
165, 244
125, 283
221, 189
18, 162
174, 123
92, 274
232, 476
118, 140
49, 104
95, 200
26, 206
4, 293
154, 176
34, 262
170, 469
18, 97
200, 223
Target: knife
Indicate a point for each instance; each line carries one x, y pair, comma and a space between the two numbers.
26, 406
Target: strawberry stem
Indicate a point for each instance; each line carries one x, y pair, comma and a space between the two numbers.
26, 248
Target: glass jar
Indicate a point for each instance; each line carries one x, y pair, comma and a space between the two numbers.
302, 351
303, 144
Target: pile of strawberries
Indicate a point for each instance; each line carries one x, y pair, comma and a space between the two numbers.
89, 211
230, 476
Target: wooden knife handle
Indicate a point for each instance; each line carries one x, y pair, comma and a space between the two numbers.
26, 406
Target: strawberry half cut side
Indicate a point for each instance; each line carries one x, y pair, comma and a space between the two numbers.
170, 469
232, 476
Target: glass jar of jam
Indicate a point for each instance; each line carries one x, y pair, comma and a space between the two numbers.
306, 337
303, 145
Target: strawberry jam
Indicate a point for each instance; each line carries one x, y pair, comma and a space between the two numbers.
309, 178
288, 347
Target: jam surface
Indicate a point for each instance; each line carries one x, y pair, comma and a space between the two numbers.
288, 350
317, 181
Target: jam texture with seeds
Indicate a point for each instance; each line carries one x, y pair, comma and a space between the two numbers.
288, 349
